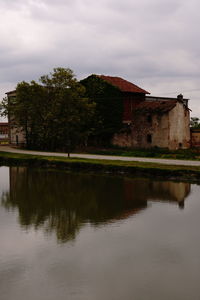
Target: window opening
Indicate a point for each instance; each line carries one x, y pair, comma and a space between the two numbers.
149, 138
149, 119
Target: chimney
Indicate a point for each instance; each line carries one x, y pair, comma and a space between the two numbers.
180, 97
184, 101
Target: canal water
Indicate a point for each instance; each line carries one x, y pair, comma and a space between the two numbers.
97, 237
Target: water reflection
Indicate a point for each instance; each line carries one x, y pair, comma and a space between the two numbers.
62, 203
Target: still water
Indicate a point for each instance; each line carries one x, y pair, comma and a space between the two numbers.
93, 237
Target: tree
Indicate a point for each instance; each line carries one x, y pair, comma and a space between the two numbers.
25, 109
109, 108
53, 114
194, 122
70, 109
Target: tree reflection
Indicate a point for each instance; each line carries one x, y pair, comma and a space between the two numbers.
63, 202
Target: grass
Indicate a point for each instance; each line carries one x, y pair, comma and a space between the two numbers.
108, 166
4, 142
187, 154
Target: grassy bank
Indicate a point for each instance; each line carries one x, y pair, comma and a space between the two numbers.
191, 154
108, 166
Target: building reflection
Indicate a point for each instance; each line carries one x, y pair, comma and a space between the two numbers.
162, 191
61, 202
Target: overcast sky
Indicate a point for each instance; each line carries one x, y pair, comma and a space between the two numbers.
152, 43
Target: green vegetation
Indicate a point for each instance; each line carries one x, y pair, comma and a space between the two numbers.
53, 114
190, 154
111, 166
108, 111
195, 123
4, 142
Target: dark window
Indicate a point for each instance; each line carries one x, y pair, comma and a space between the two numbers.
149, 138
180, 145
149, 119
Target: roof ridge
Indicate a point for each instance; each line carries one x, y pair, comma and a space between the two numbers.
123, 84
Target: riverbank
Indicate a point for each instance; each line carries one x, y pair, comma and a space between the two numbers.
180, 154
175, 172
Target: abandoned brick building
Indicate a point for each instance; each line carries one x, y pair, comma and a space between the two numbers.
157, 122
148, 121
145, 121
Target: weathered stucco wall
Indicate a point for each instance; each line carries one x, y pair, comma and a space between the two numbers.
179, 134
167, 130
145, 132
17, 136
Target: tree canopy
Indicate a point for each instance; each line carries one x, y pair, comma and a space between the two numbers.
194, 122
109, 108
53, 113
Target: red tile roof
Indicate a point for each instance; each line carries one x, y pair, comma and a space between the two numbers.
156, 106
123, 85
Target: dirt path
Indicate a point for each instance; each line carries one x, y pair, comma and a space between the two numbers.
106, 157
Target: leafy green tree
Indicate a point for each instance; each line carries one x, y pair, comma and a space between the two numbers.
25, 111
70, 109
194, 122
53, 114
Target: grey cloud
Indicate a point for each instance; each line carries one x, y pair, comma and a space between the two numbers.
155, 7
141, 40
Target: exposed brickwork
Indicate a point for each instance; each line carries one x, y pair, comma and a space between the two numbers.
195, 138
158, 127
131, 101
